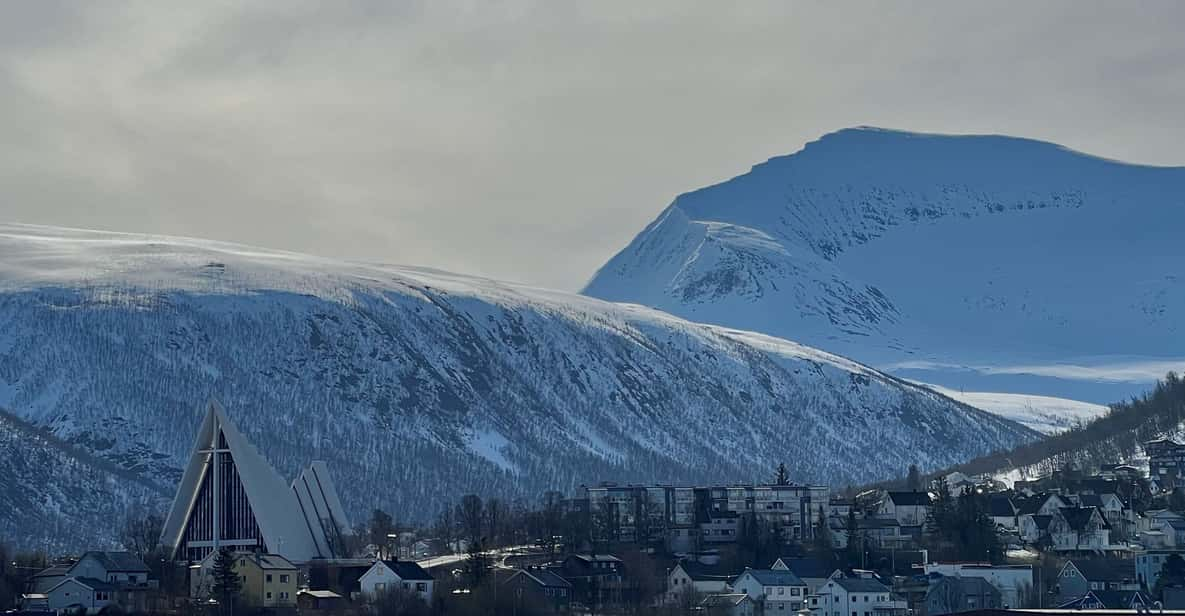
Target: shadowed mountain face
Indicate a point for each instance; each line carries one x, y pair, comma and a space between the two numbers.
419, 386
980, 261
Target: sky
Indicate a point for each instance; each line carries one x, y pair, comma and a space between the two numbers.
519, 140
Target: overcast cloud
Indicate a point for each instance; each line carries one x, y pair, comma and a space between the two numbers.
525, 141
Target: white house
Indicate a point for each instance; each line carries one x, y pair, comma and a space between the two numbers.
846, 596
774, 590
691, 576
1080, 528
908, 508
811, 571
73, 592
388, 575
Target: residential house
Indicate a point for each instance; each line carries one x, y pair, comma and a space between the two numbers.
1002, 511
693, 576
1080, 529
319, 601
81, 592
1034, 528
907, 508
1011, 580
269, 580
812, 571
1166, 462
597, 579
49, 577
847, 596
1135, 600
776, 591
729, 604
951, 594
119, 578
539, 587
34, 602
1082, 575
1150, 563
390, 575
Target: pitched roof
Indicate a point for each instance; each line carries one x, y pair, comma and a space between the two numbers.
861, 585
408, 570
117, 561
544, 577
54, 571
806, 567
774, 577
700, 572
89, 582
601, 558
909, 498
1078, 517
288, 515
273, 561
1110, 599
724, 599
1001, 507
1105, 569
320, 594
1042, 521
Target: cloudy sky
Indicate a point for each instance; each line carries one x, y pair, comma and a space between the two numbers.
525, 141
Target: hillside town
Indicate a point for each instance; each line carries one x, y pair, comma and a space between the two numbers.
239, 539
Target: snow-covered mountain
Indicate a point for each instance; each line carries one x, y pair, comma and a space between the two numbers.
54, 497
418, 386
982, 262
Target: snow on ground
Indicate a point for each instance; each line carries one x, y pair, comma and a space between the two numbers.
1045, 414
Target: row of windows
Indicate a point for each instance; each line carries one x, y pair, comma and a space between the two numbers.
283, 578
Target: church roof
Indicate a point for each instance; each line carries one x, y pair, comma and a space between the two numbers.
273, 501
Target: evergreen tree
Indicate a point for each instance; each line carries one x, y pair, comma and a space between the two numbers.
227, 585
380, 530
855, 548
822, 541
1172, 575
913, 482
781, 477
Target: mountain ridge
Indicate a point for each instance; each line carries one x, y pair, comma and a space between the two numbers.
885, 245
418, 386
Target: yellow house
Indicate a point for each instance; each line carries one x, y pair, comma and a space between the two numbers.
268, 580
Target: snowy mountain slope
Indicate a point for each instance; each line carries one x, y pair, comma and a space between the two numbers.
54, 497
964, 260
417, 386
1044, 414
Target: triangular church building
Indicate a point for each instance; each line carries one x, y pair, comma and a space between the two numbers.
230, 496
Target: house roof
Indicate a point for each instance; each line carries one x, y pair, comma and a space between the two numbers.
544, 577
1034, 503
408, 570
774, 577
599, 558
273, 561
1042, 521
117, 561
54, 571
969, 585
722, 600
700, 572
1001, 507
861, 585
1110, 599
806, 567
1105, 569
909, 498
1078, 517
320, 594
89, 582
